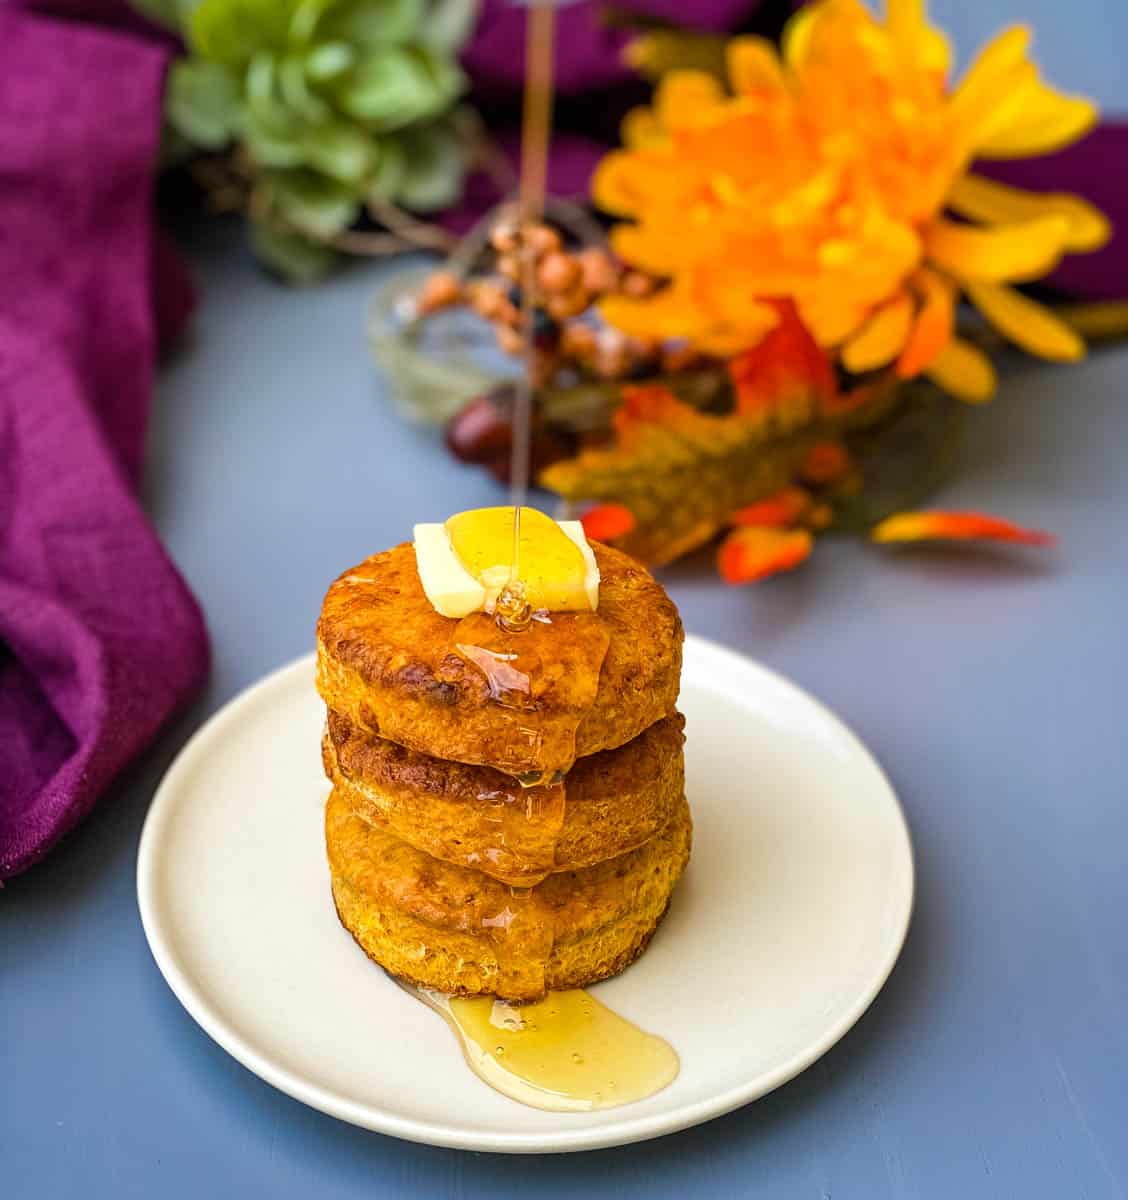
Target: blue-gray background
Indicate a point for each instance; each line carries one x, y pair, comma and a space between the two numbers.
991, 685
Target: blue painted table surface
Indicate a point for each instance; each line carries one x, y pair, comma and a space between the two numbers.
990, 685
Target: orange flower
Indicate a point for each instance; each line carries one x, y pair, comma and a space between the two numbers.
824, 178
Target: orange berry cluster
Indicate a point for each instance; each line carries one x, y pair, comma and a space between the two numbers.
566, 284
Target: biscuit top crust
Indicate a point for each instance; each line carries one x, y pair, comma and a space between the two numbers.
525, 703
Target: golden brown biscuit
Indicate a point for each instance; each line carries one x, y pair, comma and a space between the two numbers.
460, 932
608, 803
528, 702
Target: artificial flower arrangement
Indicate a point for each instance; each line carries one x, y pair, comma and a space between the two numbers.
323, 120
777, 321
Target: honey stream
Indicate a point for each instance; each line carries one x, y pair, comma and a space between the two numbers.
536, 123
567, 1052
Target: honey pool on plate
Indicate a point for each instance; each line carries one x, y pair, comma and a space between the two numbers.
565, 1053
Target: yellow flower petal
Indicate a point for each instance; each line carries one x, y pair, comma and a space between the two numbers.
652, 250
625, 181
997, 59
655, 316
659, 51
994, 91
797, 36
964, 370
1045, 121
997, 203
1018, 252
640, 128
999, 107
830, 319
881, 338
1026, 323
934, 323
917, 43
674, 313
685, 97
754, 66
905, 20
936, 53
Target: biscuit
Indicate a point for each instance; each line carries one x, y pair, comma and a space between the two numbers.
460, 932
609, 803
527, 703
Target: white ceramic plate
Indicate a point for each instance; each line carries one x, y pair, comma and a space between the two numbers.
788, 920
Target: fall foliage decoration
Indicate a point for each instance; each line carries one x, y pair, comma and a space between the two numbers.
772, 345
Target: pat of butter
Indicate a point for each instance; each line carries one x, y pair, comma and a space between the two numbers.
464, 564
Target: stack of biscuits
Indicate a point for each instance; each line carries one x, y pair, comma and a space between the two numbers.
508, 812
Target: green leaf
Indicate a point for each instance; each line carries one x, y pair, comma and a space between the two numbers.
263, 98
343, 151
295, 258
313, 204
270, 147
387, 89
435, 168
445, 72
307, 14
296, 92
391, 165
231, 32
396, 87
448, 25
202, 102
373, 23
329, 60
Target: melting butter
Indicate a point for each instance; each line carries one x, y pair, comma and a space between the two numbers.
468, 562
565, 1053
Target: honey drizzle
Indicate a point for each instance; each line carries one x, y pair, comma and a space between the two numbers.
536, 122
522, 934
522, 931
553, 663
565, 1053
526, 831
566, 651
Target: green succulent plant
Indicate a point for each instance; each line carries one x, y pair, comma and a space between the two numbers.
333, 103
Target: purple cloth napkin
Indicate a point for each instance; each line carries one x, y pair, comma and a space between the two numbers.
588, 48
100, 640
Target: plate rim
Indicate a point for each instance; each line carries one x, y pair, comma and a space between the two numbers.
615, 1133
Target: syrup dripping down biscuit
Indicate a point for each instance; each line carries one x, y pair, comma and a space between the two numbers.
608, 804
